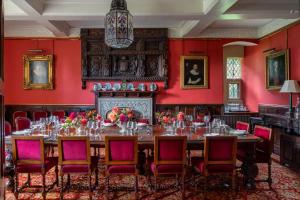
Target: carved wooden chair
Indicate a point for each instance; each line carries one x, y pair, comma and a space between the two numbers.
18, 114
59, 113
29, 157
7, 128
169, 159
219, 158
121, 158
75, 158
36, 115
22, 123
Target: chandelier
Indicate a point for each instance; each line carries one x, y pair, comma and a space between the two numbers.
118, 25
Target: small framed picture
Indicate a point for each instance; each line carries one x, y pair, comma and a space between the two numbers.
193, 72
277, 69
38, 72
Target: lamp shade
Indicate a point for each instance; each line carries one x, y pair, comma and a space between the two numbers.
290, 86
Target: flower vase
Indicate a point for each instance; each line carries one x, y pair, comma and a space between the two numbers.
122, 125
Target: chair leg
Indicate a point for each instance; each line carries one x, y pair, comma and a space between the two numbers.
270, 173
182, 186
155, 186
233, 181
56, 175
29, 180
136, 189
44, 185
90, 186
16, 191
96, 177
205, 187
69, 182
107, 187
62, 186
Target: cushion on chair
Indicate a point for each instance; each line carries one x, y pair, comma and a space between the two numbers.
74, 150
22, 123
121, 169
265, 135
37, 115
170, 150
220, 150
167, 169
199, 164
28, 149
81, 168
242, 126
121, 150
31, 168
7, 128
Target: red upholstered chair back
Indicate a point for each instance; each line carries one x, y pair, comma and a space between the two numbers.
7, 128
18, 114
74, 150
28, 149
266, 134
121, 150
59, 113
170, 150
22, 123
36, 115
242, 126
220, 150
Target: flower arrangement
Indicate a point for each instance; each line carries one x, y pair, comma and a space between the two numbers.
164, 117
80, 119
120, 115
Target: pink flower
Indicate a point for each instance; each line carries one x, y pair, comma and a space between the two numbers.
166, 119
83, 122
123, 118
99, 117
116, 110
180, 116
173, 119
112, 116
72, 115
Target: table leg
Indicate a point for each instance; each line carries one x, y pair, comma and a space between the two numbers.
141, 161
249, 167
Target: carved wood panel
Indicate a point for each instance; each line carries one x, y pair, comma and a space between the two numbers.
146, 59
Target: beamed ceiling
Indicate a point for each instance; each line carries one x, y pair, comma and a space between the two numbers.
184, 18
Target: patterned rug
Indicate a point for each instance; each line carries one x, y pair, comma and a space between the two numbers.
286, 186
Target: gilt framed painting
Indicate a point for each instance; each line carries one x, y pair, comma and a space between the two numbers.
38, 72
277, 69
193, 72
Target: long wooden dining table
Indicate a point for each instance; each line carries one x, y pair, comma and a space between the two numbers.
195, 141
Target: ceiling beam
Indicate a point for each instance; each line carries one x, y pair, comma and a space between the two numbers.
34, 9
210, 17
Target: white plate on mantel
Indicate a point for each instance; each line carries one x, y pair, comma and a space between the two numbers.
142, 124
108, 124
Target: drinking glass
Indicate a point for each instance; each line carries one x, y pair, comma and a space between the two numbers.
181, 125
206, 119
130, 126
134, 127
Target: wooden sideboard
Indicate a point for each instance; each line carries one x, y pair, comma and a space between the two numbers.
286, 133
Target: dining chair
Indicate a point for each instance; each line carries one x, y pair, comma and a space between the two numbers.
7, 128
242, 126
121, 158
59, 113
29, 157
169, 159
22, 123
36, 115
219, 158
18, 114
74, 157
263, 150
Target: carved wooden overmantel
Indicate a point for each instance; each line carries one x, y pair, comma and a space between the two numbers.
146, 59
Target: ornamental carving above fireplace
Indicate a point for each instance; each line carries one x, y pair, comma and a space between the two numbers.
144, 60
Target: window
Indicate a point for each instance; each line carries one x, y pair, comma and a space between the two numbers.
233, 80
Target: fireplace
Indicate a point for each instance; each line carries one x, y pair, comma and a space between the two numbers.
142, 103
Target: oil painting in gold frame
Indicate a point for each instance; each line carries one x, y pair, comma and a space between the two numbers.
38, 72
193, 72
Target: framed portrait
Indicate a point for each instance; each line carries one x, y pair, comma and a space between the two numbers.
193, 72
277, 69
38, 72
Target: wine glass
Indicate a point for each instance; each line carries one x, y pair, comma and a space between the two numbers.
134, 126
130, 126
181, 125
206, 119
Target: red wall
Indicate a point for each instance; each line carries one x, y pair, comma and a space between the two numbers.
255, 91
67, 66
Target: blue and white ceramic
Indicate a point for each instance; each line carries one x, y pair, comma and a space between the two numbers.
142, 87
153, 87
130, 86
107, 86
123, 86
116, 87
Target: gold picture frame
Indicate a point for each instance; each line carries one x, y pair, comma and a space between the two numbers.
193, 72
38, 72
277, 69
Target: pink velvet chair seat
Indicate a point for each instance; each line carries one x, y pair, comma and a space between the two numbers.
199, 164
121, 169
80, 168
167, 169
49, 163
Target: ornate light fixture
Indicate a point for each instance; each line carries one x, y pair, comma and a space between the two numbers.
118, 25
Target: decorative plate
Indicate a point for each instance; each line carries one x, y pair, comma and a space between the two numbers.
99, 86
123, 86
153, 87
130, 86
107, 86
142, 87
116, 87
